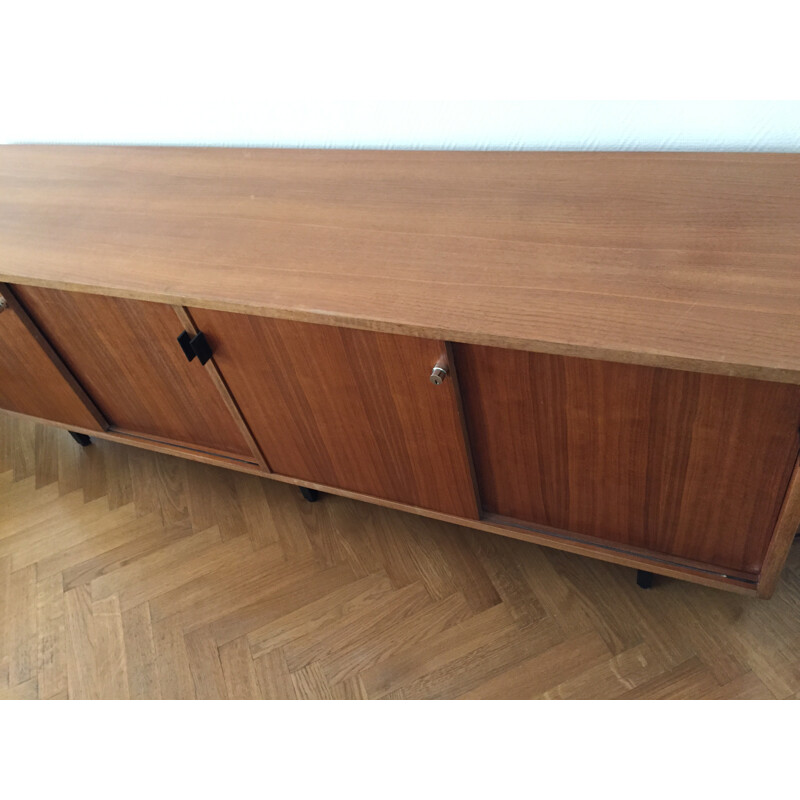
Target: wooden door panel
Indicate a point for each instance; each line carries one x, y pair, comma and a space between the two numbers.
32, 382
681, 463
125, 354
346, 408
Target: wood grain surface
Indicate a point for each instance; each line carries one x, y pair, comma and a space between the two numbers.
125, 354
687, 260
347, 408
690, 465
32, 379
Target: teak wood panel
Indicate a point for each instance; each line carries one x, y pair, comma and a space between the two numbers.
125, 354
347, 408
31, 382
684, 464
686, 260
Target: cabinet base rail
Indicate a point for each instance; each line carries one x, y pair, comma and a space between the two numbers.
645, 561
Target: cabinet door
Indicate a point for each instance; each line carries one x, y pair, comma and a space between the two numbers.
346, 408
676, 462
125, 354
32, 380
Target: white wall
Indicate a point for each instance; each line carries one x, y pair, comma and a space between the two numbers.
265, 73
583, 125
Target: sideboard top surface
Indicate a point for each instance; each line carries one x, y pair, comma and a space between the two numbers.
685, 260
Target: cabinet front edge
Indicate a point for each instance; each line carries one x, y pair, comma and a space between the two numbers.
643, 357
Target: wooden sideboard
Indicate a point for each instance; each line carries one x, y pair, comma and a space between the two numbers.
594, 352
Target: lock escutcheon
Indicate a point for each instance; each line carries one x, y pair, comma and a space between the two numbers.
439, 372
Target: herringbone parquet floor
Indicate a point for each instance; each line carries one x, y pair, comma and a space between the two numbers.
129, 574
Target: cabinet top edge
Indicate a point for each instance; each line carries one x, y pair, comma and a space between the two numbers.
474, 337
682, 260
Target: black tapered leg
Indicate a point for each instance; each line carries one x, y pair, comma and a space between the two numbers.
81, 438
312, 495
644, 579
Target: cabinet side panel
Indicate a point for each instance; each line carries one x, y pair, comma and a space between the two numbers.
125, 354
786, 529
347, 408
680, 463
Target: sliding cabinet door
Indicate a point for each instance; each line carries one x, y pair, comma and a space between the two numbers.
32, 380
346, 408
679, 463
125, 354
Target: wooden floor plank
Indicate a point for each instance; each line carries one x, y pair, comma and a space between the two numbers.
469, 575
416, 662
109, 649
459, 676
349, 689
509, 580
52, 660
235, 569
29, 690
49, 508
317, 615
95, 474
96, 658
58, 534
70, 465
535, 675
610, 678
84, 550
118, 474
140, 652
218, 602
25, 451
46, 450
239, 670
175, 679
384, 640
9, 433
310, 683
82, 679
136, 540
173, 565
6, 614
745, 687
274, 678
691, 680
205, 666
22, 615
277, 599
359, 624
258, 522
